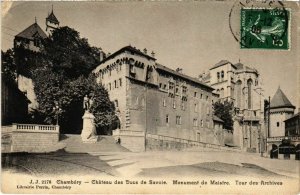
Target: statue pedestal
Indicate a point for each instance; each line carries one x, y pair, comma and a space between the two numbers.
88, 133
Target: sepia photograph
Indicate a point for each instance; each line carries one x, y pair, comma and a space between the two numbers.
150, 97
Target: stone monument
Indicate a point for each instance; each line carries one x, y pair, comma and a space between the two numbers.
88, 133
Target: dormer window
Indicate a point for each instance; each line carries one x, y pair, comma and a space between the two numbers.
132, 70
222, 75
36, 42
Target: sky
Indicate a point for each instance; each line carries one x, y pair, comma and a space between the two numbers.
193, 35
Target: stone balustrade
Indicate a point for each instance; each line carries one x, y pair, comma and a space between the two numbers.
30, 138
35, 128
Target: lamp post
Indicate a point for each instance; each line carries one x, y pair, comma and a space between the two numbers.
57, 110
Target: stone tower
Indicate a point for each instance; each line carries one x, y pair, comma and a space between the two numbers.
51, 22
280, 110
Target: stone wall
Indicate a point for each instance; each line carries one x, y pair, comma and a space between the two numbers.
33, 138
159, 142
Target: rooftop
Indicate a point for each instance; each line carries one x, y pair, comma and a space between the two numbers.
127, 48
280, 100
31, 32
221, 63
294, 116
52, 18
169, 70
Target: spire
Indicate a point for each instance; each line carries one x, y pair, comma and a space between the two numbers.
52, 18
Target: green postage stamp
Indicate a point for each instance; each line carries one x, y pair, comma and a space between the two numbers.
265, 28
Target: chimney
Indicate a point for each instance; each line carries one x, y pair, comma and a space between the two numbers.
153, 54
145, 51
101, 54
179, 70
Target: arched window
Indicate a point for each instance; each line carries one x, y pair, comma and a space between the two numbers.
222, 75
218, 76
238, 93
249, 85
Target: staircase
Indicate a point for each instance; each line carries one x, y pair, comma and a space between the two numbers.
74, 144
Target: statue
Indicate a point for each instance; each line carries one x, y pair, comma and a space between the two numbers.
88, 133
87, 103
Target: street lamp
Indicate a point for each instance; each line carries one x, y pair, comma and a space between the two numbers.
57, 110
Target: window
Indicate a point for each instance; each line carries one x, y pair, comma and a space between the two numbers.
165, 86
222, 75
116, 85
201, 96
196, 107
160, 85
36, 42
208, 110
182, 105
109, 86
120, 82
277, 124
184, 89
167, 119
174, 104
178, 120
176, 90
164, 102
249, 85
195, 94
218, 76
171, 85
207, 97
116, 103
132, 70
198, 136
195, 122
201, 123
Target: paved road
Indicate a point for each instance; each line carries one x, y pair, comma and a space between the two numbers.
153, 164
210, 163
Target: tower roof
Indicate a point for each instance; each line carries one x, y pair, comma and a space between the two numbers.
52, 18
31, 31
221, 63
280, 100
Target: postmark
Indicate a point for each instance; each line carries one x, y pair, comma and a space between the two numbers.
265, 28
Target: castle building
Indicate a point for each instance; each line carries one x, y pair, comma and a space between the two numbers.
157, 107
242, 86
31, 39
283, 140
281, 109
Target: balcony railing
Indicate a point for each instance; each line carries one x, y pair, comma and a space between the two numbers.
35, 128
280, 138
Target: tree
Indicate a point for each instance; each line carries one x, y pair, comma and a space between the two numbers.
8, 68
65, 51
224, 112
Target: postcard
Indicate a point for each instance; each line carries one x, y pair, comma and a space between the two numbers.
150, 97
